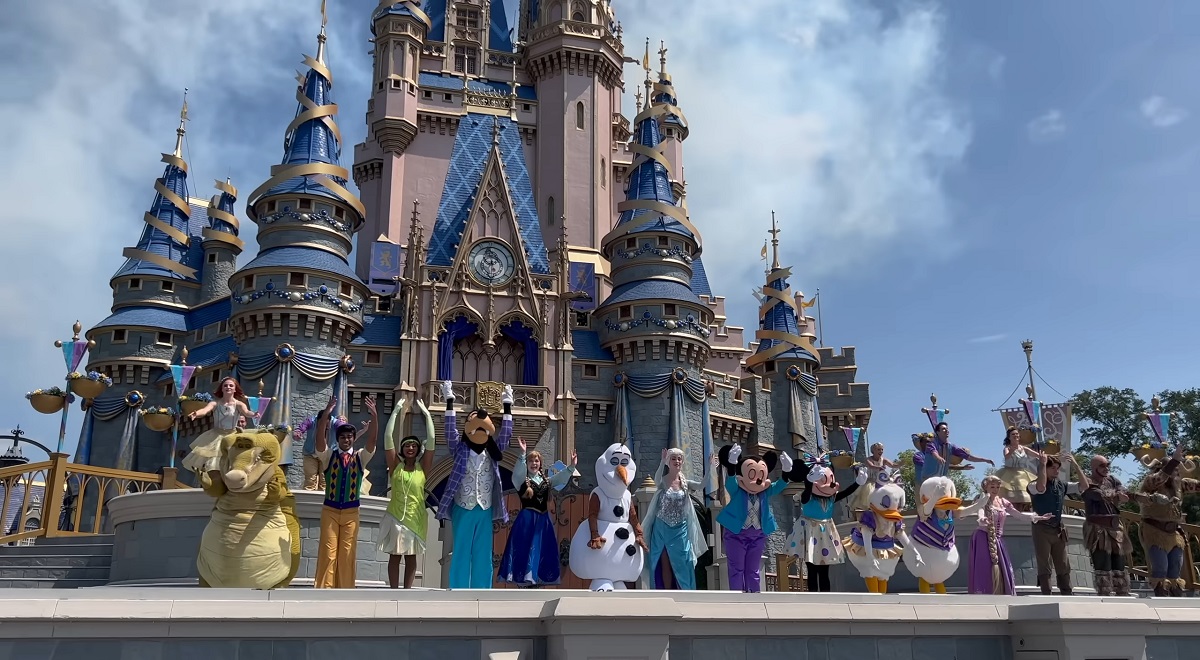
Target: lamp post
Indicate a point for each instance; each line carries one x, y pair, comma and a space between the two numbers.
73, 352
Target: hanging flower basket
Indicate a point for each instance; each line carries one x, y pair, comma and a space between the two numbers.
1148, 453
189, 404
47, 401
89, 385
158, 419
841, 460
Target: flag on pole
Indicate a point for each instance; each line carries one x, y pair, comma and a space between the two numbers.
1161, 424
810, 303
764, 251
853, 435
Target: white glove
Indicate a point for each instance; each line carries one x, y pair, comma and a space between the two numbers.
447, 390
735, 453
785, 462
860, 476
507, 397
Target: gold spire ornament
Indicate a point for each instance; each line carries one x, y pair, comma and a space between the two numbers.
662, 57
182, 130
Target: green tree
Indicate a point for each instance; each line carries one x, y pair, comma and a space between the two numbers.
1115, 420
966, 482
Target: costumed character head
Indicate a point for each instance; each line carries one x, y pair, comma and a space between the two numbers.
230, 386
346, 434
887, 500
248, 460
615, 470
938, 495
479, 430
1160, 480
819, 479
750, 470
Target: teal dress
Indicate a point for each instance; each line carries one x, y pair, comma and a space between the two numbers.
670, 533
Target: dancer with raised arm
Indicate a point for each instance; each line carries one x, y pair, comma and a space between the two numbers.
1021, 465
228, 408
1105, 536
530, 558
344, 467
1050, 536
402, 530
747, 518
474, 496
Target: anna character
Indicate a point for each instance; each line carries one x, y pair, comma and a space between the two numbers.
229, 406
676, 539
531, 553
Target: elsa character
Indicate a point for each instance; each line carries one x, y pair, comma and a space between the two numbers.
672, 528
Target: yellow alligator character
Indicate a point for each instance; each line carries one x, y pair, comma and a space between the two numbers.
252, 539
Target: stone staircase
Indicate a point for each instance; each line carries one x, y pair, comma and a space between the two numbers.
57, 563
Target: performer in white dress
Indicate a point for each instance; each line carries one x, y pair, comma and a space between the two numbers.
228, 407
608, 548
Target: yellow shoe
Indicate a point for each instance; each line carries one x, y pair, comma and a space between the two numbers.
923, 586
882, 586
941, 588
872, 585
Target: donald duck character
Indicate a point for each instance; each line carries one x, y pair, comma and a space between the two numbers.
609, 548
875, 543
932, 555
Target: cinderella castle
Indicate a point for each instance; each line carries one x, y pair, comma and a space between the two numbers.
511, 226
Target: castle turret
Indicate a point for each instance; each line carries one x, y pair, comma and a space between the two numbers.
152, 291
221, 243
399, 31
787, 358
299, 300
653, 322
674, 124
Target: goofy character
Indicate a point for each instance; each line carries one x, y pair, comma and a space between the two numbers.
474, 495
747, 518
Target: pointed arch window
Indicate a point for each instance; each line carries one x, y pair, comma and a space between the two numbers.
579, 115
577, 17
550, 210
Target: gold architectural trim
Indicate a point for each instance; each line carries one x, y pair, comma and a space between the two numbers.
176, 235
169, 195
161, 262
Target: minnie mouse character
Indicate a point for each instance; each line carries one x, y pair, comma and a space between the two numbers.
814, 536
747, 518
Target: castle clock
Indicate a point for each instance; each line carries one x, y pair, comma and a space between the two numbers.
492, 263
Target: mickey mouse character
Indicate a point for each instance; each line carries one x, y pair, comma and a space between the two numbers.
814, 537
473, 496
747, 518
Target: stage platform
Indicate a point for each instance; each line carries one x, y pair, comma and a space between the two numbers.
127, 623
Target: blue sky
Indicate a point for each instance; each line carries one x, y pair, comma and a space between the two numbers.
954, 177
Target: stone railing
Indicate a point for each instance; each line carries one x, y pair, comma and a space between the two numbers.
58, 498
525, 397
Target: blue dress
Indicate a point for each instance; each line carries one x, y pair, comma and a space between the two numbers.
530, 556
670, 533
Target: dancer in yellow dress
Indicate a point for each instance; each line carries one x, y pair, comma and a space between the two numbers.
402, 530
229, 406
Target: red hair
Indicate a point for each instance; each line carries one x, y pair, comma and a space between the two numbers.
237, 390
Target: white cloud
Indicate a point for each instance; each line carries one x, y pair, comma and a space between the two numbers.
829, 112
1047, 127
102, 87
1161, 113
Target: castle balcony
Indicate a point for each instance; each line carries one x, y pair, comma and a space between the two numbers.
531, 404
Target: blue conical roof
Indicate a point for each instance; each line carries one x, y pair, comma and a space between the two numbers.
313, 141
650, 181
781, 317
165, 248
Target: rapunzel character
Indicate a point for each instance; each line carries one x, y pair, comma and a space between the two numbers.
530, 556
932, 555
474, 495
401, 533
814, 537
1020, 469
672, 528
1160, 497
875, 543
875, 464
609, 548
747, 518
989, 570
228, 405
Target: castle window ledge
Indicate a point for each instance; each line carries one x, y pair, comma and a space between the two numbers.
467, 395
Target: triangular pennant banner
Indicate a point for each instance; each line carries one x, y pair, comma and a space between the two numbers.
936, 415
182, 375
1033, 410
73, 352
258, 404
852, 436
1161, 424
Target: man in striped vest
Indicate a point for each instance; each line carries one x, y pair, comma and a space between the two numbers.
344, 468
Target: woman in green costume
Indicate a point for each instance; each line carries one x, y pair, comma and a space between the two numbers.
402, 530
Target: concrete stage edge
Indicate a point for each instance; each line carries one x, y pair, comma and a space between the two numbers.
167, 623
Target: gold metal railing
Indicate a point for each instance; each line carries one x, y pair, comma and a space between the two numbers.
1133, 527
57, 498
525, 397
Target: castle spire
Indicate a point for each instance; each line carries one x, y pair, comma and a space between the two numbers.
321, 35
662, 59
779, 335
164, 247
774, 242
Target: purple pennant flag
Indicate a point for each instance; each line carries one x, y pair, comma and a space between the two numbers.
852, 436
1161, 424
1033, 410
182, 375
258, 405
936, 415
73, 352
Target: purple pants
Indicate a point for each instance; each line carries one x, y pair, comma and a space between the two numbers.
743, 554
